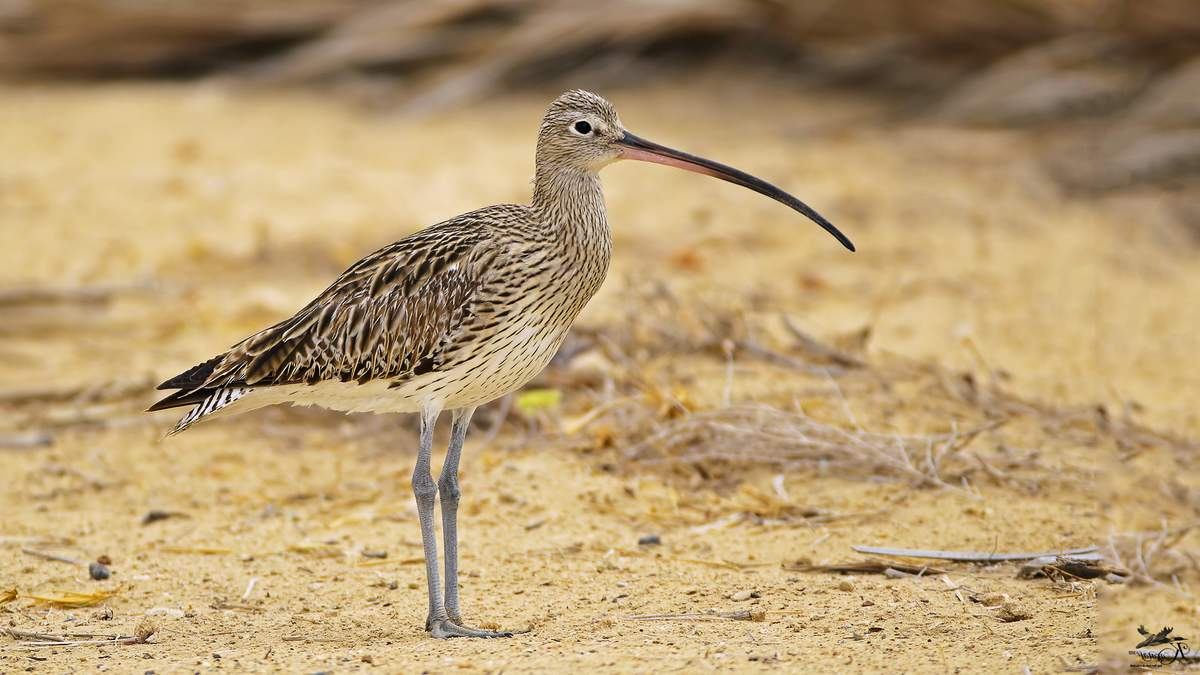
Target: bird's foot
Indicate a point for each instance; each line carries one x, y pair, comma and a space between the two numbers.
445, 628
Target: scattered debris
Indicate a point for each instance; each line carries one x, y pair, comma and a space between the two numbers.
235, 606
51, 556
532, 401
1009, 613
72, 599
320, 549
972, 556
1058, 568
815, 348
249, 589
98, 571
1150, 555
867, 566
142, 634
762, 434
740, 615
155, 515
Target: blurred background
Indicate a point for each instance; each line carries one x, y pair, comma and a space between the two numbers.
1009, 360
1122, 72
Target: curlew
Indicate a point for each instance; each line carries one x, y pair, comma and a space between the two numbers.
452, 317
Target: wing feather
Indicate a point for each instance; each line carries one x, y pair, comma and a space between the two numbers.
391, 315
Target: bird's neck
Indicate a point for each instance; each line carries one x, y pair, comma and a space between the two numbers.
571, 203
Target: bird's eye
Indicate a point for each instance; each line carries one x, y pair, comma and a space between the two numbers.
582, 128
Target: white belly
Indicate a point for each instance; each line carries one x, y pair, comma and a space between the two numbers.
500, 369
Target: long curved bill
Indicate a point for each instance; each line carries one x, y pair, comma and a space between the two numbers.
633, 147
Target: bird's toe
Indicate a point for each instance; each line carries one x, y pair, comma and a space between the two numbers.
446, 628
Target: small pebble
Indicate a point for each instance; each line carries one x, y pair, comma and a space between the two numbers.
104, 560
741, 595
98, 571
845, 585
155, 515
375, 554
649, 540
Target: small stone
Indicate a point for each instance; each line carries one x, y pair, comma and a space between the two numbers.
381, 555
845, 585
98, 571
368, 659
741, 596
104, 560
649, 540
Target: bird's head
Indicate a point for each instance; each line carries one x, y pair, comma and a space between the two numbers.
582, 132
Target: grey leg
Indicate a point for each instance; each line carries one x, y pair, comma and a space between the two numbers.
448, 488
438, 623
425, 492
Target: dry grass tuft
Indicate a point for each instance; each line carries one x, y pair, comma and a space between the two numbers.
786, 440
1156, 558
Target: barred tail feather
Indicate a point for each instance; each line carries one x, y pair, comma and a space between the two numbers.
210, 406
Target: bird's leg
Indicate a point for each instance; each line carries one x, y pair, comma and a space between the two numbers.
425, 492
437, 623
448, 488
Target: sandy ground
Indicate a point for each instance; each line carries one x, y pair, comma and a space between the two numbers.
199, 216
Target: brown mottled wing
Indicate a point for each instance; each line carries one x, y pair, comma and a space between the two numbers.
390, 316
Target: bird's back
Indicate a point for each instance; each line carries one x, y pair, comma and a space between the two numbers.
463, 312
